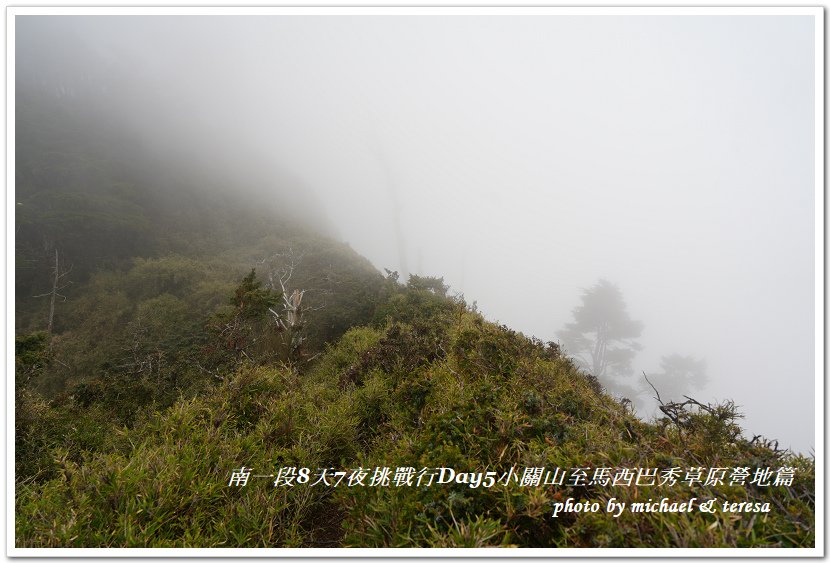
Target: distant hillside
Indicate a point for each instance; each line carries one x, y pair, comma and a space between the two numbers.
149, 251
92, 188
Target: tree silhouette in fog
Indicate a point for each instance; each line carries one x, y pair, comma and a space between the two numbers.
602, 336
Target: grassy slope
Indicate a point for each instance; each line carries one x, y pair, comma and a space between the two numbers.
429, 384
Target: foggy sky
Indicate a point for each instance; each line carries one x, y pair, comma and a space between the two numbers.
529, 156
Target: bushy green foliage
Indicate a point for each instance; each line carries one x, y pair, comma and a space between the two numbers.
47, 434
246, 331
437, 389
172, 487
427, 283
31, 356
422, 299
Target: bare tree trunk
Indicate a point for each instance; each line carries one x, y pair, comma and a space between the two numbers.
54, 294
57, 275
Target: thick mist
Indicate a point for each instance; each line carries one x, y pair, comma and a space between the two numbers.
522, 158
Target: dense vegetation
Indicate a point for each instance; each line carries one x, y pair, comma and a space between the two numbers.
178, 356
427, 384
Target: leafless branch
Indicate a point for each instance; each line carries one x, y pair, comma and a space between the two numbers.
659, 400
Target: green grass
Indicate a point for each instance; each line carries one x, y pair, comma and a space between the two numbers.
447, 389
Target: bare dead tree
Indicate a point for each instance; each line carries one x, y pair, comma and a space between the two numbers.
57, 276
291, 319
291, 315
681, 413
